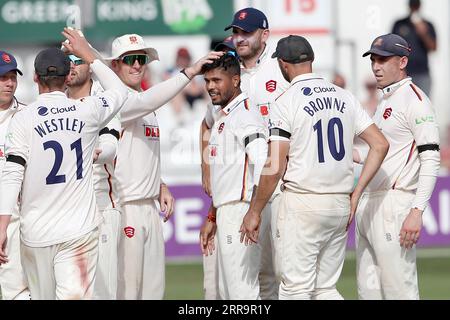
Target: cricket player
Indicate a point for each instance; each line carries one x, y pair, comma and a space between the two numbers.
49, 154
80, 86
262, 80
389, 218
141, 269
313, 125
237, 148
12, 278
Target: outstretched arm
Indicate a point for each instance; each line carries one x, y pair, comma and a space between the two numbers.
139, 105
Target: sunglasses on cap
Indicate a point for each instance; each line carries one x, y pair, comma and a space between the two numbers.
232, 53
130, 59
75, 60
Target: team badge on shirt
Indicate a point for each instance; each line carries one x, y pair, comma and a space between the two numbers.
221, 126
129, 231
387, 113
271, 85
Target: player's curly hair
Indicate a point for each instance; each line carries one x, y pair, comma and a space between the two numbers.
229, 62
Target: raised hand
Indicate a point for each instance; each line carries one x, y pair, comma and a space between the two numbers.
77, 45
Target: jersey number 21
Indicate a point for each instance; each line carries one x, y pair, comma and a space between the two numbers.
53, 177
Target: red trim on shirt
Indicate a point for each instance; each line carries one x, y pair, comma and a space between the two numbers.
244, 179
415, 91
246, 104
409, 158
110, 186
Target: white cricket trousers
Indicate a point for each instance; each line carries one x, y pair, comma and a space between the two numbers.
141, 273
210, 274
105, 286
268, 281
13, 282
64, 271
239, 264
311, 244
384, 269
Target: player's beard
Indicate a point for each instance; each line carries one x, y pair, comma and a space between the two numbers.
253, 49
77, 79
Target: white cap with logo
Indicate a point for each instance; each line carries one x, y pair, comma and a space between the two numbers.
131, 42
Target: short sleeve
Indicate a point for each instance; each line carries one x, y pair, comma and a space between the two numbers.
422, 122
18, 137
249, 126
362, 118
280, 123
209, 116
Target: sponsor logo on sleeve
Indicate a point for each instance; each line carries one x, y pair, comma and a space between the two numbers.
424, 119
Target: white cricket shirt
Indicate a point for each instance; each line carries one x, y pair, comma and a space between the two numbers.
5, 118
103, 174
320, 121
406, 117
138, 165
56, 137
232, 174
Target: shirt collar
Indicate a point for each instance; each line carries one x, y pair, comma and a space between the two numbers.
233, 104
305, 77
52, 94
389, 90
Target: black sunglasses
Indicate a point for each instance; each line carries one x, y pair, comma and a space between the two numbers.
141, 59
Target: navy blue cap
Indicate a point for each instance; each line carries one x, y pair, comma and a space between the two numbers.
249, 19
226, 44
8, 63
389, 45
52, 62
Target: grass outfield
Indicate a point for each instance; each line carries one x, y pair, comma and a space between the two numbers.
184, 280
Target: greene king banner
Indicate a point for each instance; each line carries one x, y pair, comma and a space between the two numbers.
181, 232
36, 21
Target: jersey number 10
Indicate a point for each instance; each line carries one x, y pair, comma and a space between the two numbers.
337, 155
53, 177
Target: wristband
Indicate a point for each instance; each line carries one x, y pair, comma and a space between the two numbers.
211, 217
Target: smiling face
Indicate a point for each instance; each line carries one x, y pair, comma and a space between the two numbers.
131, 75
8, 85
388, 70
221, 86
